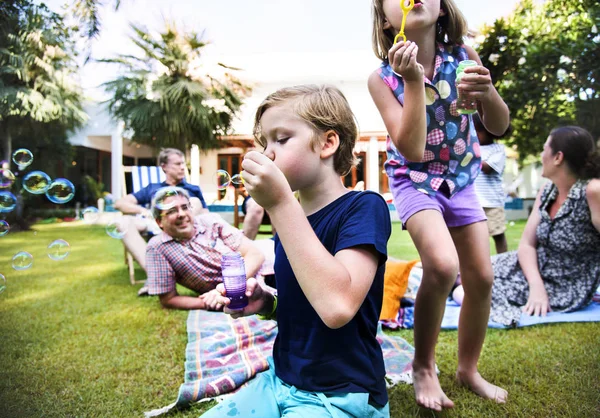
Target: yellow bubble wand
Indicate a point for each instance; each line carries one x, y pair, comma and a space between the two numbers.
405, 10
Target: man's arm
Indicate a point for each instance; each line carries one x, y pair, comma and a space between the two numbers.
129, 204
172, 300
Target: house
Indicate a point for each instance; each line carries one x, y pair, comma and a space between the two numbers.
101, 149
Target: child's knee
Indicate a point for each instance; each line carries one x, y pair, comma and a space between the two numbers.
442, 270
478, 282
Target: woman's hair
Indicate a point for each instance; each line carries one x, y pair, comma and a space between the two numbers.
480, 127
163, 157
579, 150
451, 28
324, 108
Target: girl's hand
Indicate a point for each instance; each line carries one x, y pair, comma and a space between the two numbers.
403, 60
476, 83
538, 303
256, 299
265, 182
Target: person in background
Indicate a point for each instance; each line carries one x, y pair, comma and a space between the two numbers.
139, 218
488, 184
188, 252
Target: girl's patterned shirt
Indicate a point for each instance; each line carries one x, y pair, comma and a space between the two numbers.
452, 153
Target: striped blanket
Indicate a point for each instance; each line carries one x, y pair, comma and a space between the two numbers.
223, 354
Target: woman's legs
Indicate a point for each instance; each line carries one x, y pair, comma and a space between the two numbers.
472, 245
440, 267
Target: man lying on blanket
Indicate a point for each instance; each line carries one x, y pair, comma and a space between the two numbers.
188, 252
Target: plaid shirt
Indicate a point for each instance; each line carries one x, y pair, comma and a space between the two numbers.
195, 264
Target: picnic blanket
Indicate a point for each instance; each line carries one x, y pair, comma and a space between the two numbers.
405, 317
223, 354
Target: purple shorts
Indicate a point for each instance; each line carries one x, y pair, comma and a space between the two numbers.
460, 210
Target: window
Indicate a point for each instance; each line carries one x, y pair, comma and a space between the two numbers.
357, 173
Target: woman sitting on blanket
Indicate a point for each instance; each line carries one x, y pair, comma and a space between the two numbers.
557, 266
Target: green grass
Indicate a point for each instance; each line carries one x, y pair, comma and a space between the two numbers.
76, 341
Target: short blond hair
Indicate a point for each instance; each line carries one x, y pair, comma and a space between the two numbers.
451, 28
324, 108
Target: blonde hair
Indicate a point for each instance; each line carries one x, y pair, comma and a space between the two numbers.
324, 108
451, 28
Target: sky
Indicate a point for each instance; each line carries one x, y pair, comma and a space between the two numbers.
274, 42
268, 39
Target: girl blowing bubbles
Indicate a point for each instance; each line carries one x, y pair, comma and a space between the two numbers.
433, 159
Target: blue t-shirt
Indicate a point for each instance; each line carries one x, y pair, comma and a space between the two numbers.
309, 355
144, 196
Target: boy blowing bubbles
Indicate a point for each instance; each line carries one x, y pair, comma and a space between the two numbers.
330, 253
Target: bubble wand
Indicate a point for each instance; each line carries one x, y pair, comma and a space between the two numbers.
405, 10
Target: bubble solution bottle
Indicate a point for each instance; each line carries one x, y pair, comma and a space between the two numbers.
464, 106
234, 279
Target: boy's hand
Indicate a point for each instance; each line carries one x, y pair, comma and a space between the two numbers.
265, 182
403, 59
476, 83
256, 299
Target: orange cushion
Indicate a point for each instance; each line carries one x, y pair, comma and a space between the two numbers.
394, 287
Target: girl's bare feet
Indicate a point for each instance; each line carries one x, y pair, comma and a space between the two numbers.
428, 392
482, 387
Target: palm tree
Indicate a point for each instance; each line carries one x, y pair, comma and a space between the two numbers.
86, 11
163, 102
39, 97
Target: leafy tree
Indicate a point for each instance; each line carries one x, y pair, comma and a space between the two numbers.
40, 100
544, 62
162, 98
87, 12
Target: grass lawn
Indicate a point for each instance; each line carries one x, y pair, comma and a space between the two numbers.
76, 341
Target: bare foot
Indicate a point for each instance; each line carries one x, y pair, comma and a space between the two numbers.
482, 387
428, 392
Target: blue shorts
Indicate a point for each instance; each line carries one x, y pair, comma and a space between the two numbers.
459, 210
267, 396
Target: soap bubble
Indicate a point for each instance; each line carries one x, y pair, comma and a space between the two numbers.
166, 193
22, 260
22, 158
36, 182
4, 228
237, 179
2, 283
223, 179
7, 178
115, 230
58, 249
60, 191
90, 215
8, 201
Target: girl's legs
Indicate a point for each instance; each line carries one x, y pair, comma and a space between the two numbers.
440, 267
472, 245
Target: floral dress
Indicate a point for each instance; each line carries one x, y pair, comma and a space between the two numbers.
568, 250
